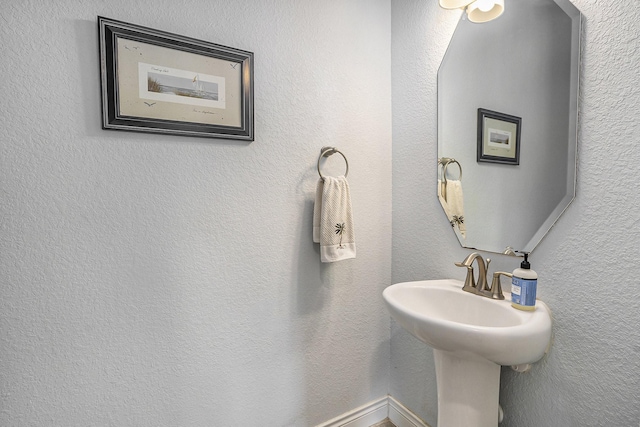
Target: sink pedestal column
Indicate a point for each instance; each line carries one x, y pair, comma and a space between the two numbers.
468, 390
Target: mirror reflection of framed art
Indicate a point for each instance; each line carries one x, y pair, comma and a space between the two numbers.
498, 137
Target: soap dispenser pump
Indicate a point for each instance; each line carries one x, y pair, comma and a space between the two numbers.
524, 283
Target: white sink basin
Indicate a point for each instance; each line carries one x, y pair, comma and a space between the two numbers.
441, 314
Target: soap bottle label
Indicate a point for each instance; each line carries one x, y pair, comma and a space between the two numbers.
523, 291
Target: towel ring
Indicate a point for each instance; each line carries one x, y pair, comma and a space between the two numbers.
326, 152
445, 161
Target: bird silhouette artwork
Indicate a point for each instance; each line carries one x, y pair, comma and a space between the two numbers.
135, 47
150, 104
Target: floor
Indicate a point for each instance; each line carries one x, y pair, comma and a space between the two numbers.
384, 423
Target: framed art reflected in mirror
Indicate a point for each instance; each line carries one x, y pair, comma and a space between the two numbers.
498, 137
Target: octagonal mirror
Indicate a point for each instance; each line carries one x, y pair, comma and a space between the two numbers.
507, 124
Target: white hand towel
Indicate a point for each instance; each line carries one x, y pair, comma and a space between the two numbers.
317, 210
453, 203
333, 220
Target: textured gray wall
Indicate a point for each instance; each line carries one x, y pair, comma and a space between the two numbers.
586, 264
163, 281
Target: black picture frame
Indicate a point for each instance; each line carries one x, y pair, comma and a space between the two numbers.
159, 82
498, 137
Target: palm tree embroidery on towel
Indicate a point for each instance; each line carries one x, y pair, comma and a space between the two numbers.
457, 220
340, 230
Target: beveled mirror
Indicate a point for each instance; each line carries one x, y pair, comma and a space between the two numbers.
507, 123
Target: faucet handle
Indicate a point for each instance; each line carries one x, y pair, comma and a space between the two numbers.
496, 286
469, 281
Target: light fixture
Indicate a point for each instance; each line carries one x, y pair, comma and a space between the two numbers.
479, 10
485, 10
454, 4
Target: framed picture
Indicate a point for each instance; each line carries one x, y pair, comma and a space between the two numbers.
154, 81
498, 137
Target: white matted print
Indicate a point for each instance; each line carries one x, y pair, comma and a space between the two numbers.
500, 139
168, 66
166, 84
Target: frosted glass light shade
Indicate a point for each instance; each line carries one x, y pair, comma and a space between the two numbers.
454, 4
485, 10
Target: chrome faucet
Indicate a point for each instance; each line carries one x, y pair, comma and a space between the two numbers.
481, 288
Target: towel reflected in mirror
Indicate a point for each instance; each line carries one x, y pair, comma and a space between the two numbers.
452, 201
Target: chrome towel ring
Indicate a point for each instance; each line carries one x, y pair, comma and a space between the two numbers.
326, 152
445, 161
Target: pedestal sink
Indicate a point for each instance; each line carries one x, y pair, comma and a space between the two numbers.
471, 337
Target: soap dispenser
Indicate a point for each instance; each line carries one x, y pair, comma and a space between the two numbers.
524, 283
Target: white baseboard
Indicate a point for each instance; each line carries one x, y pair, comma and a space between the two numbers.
400, 416
363, 416
374, 412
